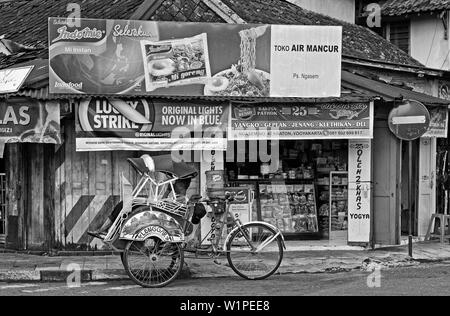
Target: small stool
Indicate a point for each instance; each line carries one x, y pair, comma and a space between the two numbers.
443, 219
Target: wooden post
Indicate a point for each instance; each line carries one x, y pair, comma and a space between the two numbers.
16, 233
49, 195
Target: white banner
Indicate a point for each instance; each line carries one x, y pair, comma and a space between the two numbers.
150, 144
359, 191
306, 61
12, 79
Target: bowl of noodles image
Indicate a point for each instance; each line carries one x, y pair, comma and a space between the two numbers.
232, 82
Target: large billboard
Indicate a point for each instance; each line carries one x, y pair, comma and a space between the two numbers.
102, 124
122, 57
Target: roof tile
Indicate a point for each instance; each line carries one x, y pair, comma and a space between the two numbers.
29, 22
401, 7
358, 41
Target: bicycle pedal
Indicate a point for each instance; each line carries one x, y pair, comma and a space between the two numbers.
217, 262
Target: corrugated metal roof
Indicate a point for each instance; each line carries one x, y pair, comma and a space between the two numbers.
388, 92
348, 95
355, 88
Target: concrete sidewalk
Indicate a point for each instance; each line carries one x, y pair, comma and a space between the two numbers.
16, 267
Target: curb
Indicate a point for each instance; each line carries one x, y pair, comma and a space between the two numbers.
89, 275
58, 275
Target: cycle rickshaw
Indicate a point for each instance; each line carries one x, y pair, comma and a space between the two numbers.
150, 230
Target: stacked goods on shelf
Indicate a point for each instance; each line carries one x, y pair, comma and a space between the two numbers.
324, 219
339, 196
291, 208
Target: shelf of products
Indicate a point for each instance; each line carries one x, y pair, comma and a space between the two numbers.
326, 166
338, 201
293, 192
291, 208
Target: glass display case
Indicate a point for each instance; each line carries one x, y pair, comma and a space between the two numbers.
338, 206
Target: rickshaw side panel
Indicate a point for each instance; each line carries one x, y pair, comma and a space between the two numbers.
151, 222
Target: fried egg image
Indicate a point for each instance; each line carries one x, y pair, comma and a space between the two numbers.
161, 67
218, 84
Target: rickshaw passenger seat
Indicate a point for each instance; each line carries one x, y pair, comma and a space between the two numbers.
165, 164
139, 165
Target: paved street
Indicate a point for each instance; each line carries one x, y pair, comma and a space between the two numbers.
424, 280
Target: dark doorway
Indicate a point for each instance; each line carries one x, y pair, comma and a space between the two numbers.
405, 204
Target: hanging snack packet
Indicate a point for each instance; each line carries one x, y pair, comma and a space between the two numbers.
176, 62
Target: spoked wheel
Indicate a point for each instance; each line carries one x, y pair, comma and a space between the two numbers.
258, 254
153, 263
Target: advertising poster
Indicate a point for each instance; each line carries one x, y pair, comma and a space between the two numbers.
314, 121
29, 121
119, 57
242, 203
359, 191
112, 124
12, 79
438, 123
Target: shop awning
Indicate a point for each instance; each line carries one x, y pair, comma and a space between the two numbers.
388, 92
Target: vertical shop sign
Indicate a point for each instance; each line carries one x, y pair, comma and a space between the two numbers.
211, 160
359, 170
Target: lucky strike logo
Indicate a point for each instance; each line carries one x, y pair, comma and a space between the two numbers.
104, 115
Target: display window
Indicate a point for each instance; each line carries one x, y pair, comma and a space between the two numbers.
304, 192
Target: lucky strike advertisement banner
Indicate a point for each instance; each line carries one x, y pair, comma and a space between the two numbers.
301, 121
122, 57
110, 124
29, 121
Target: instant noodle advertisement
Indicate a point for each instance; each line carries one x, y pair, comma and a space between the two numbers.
309, 121
150, 125
29, 121
122, 57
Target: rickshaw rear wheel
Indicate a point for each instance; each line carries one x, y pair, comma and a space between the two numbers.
154, 266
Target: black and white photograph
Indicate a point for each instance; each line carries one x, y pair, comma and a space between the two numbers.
224, 156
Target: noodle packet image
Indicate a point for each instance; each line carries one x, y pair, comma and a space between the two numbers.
176, 62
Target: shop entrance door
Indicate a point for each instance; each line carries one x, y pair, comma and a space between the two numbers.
427, 184
386, 177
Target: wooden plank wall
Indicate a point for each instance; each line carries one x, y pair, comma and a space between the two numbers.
87, 189
30, 200
16, 233
35, 195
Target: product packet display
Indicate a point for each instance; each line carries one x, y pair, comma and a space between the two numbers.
176, 62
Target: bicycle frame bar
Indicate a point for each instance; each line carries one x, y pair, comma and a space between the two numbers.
266, 242
263, 224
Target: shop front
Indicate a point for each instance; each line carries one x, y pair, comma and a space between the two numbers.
282, 132
308, 166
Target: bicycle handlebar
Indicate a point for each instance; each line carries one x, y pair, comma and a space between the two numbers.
226, 198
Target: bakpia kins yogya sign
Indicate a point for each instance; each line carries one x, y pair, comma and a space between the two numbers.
123, 57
